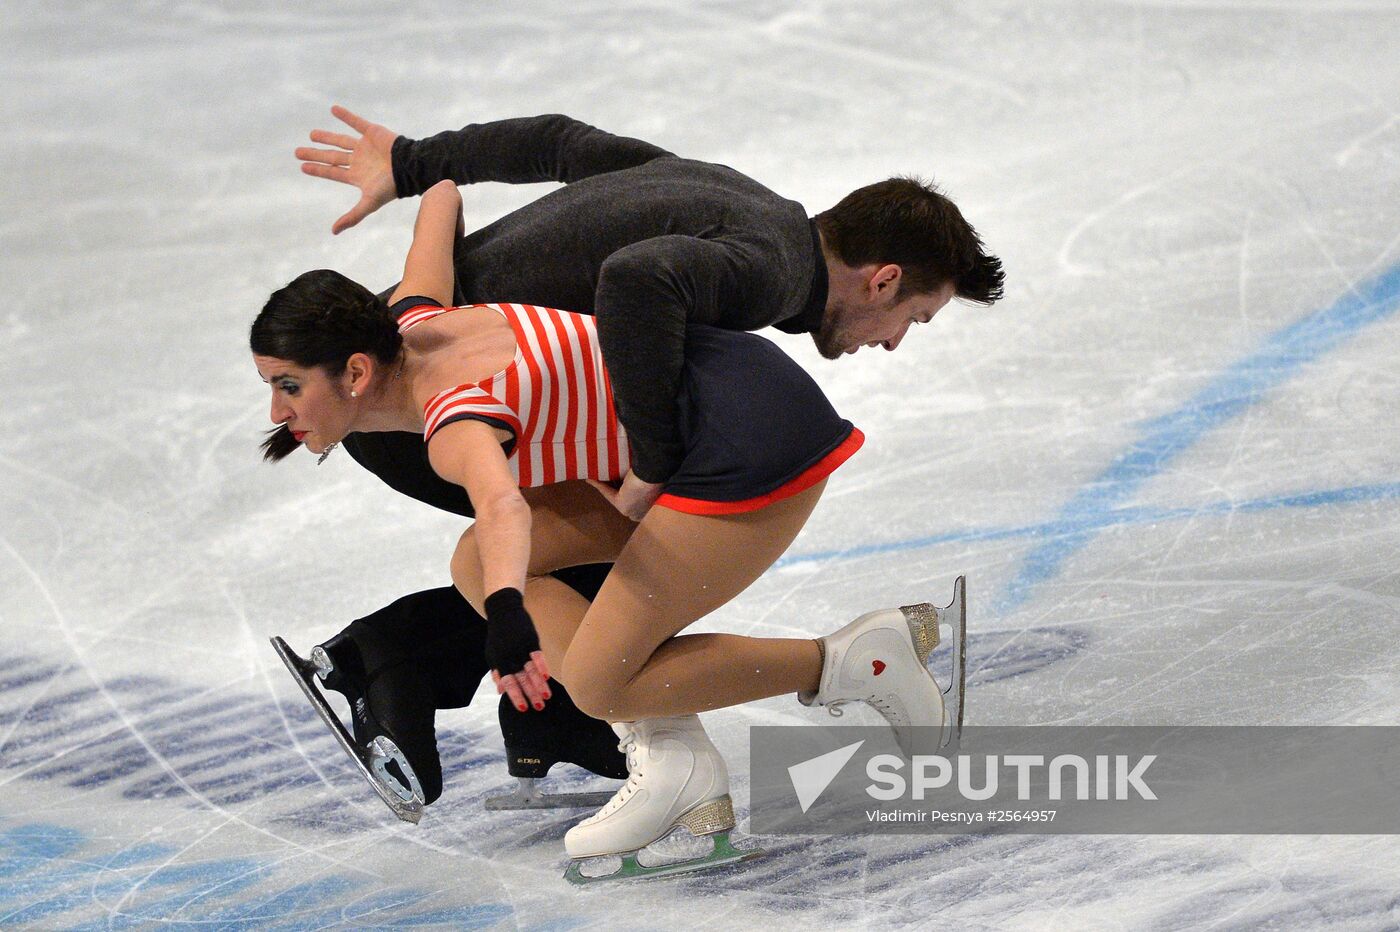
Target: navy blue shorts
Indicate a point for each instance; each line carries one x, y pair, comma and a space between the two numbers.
755, 427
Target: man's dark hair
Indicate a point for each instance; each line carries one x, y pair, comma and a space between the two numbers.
321, 319
910, 223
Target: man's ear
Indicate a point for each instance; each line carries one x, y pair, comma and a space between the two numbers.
884, 282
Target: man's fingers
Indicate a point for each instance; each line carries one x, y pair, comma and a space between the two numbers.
604, 490
324, 156
327, 138
358, 123
348, 219
329, 172
631, 510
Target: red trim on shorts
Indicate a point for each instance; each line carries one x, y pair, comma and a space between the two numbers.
808, 478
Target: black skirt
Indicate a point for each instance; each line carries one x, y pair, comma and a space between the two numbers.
755, 427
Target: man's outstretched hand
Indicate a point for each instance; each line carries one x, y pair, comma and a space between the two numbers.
363, 162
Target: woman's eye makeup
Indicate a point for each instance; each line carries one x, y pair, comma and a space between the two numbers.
288, 387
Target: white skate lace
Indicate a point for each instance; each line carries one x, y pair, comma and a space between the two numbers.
833, 707
627, 746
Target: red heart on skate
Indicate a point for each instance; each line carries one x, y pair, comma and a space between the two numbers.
879, 666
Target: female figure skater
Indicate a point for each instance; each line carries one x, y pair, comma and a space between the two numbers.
514, 405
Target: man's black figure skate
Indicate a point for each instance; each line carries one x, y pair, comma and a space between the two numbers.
560, 733
372, 746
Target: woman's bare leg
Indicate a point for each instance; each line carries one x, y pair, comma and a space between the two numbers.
570, 525
625, 661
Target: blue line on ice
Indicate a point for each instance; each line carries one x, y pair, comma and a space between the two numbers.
1234, 391
1100, 503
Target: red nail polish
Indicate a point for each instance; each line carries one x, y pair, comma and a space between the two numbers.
520, 708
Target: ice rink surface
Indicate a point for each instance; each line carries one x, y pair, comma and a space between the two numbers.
1168, 462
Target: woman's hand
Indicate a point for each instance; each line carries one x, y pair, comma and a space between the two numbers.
513, 650
364, 162
530, 687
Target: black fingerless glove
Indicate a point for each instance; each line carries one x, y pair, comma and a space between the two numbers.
510, 634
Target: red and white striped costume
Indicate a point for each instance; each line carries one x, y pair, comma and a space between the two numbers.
555, 396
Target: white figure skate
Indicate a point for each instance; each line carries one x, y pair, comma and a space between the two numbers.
880, 659
676, 777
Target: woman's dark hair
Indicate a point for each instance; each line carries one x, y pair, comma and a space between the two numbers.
321, 319
910, 223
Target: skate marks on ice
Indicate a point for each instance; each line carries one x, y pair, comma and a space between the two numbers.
1055, 539
56, 876
59, 729
902, 881
1107, 501
227, 746
1002, 655
1225, 396
62, 740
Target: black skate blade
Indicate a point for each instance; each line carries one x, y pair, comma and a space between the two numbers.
723, 854
526, 796
409, 810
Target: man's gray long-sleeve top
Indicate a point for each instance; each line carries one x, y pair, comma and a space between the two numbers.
644, 240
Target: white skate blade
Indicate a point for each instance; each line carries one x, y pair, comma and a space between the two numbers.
928, 636
954, 614
527, 796
724, 853
407, 805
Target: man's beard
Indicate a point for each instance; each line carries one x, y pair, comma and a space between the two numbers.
828, 335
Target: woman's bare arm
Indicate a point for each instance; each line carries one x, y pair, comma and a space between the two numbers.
428, 269
469, 453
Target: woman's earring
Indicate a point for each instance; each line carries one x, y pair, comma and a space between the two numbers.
352, 394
